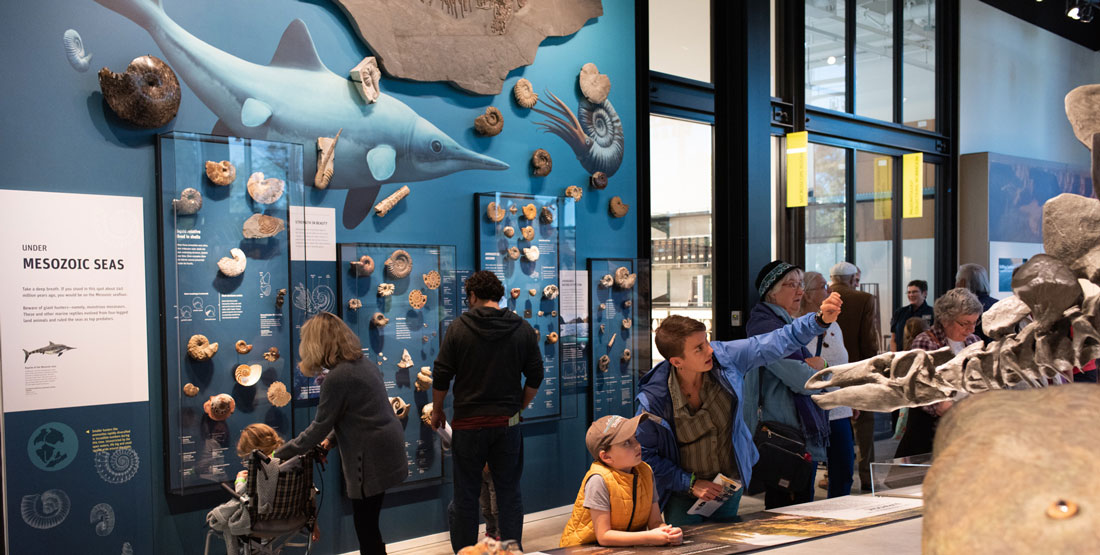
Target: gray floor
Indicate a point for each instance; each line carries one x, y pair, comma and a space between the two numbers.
545, 533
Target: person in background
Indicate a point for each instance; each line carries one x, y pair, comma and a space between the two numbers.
916, 292
861, 341
957, 313
913, 327
355, 415
840, 455
976, 279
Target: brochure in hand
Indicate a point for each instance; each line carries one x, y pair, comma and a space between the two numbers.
707, 508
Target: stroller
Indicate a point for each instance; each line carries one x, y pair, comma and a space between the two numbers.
251, 524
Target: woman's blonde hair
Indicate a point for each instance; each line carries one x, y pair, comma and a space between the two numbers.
326, 341
258, 436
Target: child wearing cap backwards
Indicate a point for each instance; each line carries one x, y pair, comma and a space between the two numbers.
617, 501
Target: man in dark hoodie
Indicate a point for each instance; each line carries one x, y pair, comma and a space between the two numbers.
486, 351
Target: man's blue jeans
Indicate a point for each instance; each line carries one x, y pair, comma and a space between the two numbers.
502, 449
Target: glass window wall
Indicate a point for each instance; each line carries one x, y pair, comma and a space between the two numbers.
874, 230
825, 59
919, 65
875, 59
826, 209
679, 38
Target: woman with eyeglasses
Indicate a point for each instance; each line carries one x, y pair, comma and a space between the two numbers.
777, 392
957, 313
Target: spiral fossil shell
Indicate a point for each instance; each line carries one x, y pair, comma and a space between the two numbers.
190, 389
406, 360
607, 281
400, 408
417, 299
265, 191
541, 163
221, 173
550, 291
546, 215
45, 510
242, 347
530, 211
277, 394
102, 517
598, 180
495, 212
626, 355
528, 233
594, 85
525, 93
200, 349
363, 267
627, 323
531, 253
355, 304
617, 208
426, 414
508, 231
574, 191
423, 379
74, 50
233, 267
385, 289
147, 94
515, 292
261, 226
432, 279
604, 363
623, 278
399, 264
513, 253
190, 201
248, 375
379, 320
490, 123
220, 406
272, 354
552, 337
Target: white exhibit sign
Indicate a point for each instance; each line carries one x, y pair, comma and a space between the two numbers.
72, 300
312, 233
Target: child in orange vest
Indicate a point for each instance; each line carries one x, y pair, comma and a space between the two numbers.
617, 501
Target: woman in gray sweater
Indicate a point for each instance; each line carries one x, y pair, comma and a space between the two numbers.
354, 414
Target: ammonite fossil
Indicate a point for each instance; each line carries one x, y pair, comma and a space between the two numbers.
272, 354
362, 267
426, 414
594, 85
221, 173
531, 253
265, 191
528, 232
248, 374
623, 278
574, 191
277, 394
607, 281
508, 231
432, 279
399, 264
233, 267
515, 292
190, 389
530, 211
147, 94
190, 201
385, 289
513, 252
627, 323
417, 299
541, 163
423, 379
200, 348
355, 304
242, 347
494, 212
525, 93
604, 363
490, 123
552, 337
626, 355
379, 320
616, 207
261, 226
598, 180
400, 408
550, 291
546, 215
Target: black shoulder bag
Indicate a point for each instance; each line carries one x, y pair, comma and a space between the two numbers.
784, 463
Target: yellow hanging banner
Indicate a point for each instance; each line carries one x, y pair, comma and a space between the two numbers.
798, 169
883, 176
912, 185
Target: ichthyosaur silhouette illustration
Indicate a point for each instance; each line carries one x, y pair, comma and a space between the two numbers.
295, 98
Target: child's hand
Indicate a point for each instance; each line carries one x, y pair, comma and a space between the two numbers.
242, 475
664, 535
674, 534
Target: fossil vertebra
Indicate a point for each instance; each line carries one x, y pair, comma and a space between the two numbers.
594, 85
400, 408
265, 191
233, 267
550, 291
531, 253
379, 320
200, 348
385, 289
277, 394
490, 123
147, 94
417, 299
382, 208
546, 215
261, 226
495, 212
355, 304
541, 163
525, 93
432, 279
623, 278
508, 231
530, 211
617, 208
367, 77
399, 264
423, 379
272, 354
406, 360
598, 180
190, 201
221, 173
574, 191
363, 267
190, 389
528, 232
326, 159
242, 347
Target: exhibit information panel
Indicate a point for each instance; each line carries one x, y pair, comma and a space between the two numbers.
398, 299
519, 239
223, 214
616, 333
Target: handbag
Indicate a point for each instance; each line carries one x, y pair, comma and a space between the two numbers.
784, 463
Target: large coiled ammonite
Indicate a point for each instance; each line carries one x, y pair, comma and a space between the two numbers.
399, 264
147, 94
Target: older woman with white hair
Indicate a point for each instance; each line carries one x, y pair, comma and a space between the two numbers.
957, 313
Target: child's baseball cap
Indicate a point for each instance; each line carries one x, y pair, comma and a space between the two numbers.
609, 430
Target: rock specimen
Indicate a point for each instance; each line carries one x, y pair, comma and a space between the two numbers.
272, 354
515, 292
546, 215
190, 389
355, 304
575, 192
623, 278
406, 360
277, 394
379, 320
426, 414
550, 291
607, 281
1071, 233
604, 363
530, 211
513, 252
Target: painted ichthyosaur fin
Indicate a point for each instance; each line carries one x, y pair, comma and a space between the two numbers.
382, 161
26, 355
255, 113
296, 49
358, 204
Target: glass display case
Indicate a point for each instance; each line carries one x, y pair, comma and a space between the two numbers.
223, 214
619, 349
901, 477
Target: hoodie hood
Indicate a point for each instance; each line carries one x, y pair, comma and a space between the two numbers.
491, 323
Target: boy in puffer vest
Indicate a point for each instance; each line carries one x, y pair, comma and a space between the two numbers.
617, 502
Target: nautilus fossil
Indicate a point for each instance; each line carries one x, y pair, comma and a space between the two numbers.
399, 264
232, 267
423, 379
362, 267
594, 85
541, 163
525, 93
74, 51
200, 349
261, 226
117, 466
574, 191
552, 337
102, 517
385, 289
406, 360
616, 207
400, 408
277, 394
528, 232
426, 414
221, 173
604, 363
190, 389
379, 320
490, 123
495, 212
513, 252
550, 291
242, 347
623, 278
432, 279
598, 180
190, 201
265, 190
607, 281
530, 211
355, 304
515, 292
367, 77
248, 374
417, 299
326, 159
508, 231
387, 204
147, 94
546, 215
45, 510
531, 253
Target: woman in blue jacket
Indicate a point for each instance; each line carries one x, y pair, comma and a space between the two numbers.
699, 429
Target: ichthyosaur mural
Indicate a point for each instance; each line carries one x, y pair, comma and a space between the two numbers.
596, 137
295, 98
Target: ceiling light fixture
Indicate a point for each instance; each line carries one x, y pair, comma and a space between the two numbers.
830, 60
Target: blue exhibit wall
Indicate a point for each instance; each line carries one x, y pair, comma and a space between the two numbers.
59, 136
